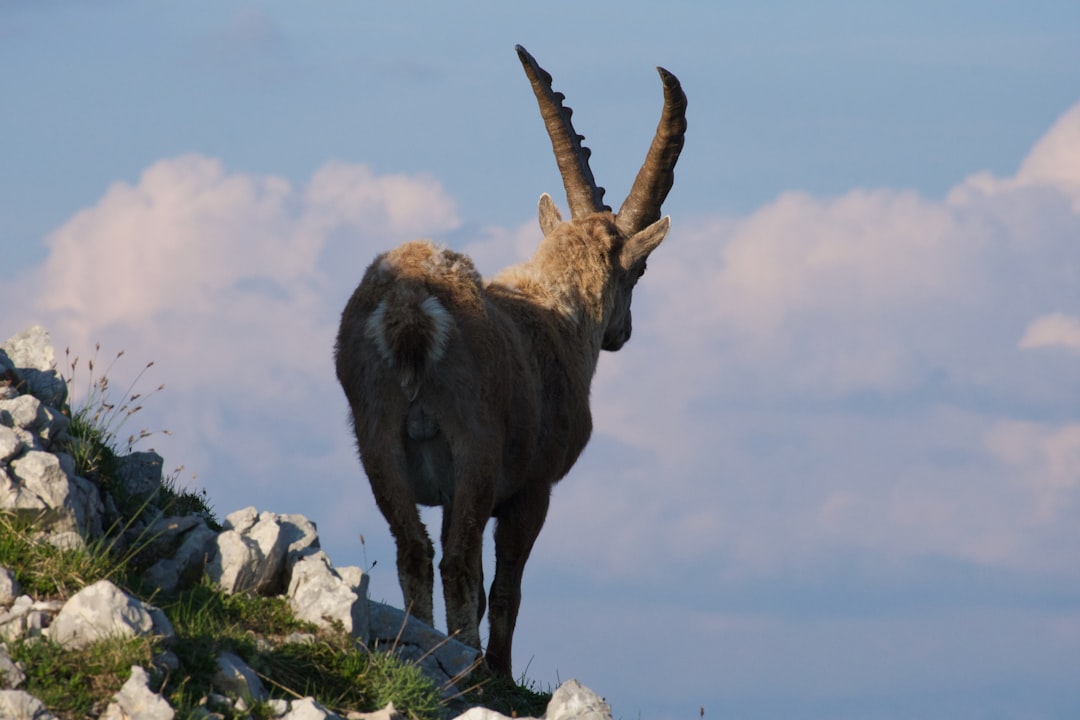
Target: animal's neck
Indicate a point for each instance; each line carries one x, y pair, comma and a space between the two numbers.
561, 291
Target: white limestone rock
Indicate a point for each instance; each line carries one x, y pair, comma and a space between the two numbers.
193, 540
36, 423
12, 674
574, 701
387, 713
10, 443
102, 610
26, 618
319, 595
278, 707
308, 709
21, 705
235, 678
136, 701
482, 713
140, 473
440, 657
9, 587
10, 382
31, 354
249, 556
40, 487
301, 536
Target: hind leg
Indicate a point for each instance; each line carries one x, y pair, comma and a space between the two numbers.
481, 592
463, 535
395, 498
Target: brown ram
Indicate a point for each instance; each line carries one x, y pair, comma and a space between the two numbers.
474, 395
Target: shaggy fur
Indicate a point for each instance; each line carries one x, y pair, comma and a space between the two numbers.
475, 396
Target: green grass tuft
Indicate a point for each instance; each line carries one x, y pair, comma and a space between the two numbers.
48, 572
513, 699
77, 684
344, 676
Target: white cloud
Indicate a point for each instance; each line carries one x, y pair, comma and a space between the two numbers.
1044, 459
194, 246
390, 206
823, 376
497, 248
232, 284
1055, 159
1054, 330
1053, 163
182, 237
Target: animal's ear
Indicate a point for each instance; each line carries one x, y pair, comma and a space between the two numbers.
640, 244
549, 215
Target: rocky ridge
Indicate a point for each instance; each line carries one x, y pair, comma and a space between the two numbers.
254, 552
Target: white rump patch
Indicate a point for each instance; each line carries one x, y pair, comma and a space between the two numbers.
373, 329
438, 335
442, 323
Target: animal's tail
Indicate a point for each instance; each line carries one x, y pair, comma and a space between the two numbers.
411, 329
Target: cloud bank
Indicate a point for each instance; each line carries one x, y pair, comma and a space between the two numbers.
232, 285
878, 373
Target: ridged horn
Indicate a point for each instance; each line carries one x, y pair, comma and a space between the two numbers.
642, 206
582, 192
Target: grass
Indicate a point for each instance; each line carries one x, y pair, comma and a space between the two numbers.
79, 683
44, 571
97, 423
327, 665
293, 658
94, 441
345, 676
521, 698
99, 412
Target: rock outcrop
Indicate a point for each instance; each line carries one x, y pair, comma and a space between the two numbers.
137, 701
255, 551
101, 611
21, 705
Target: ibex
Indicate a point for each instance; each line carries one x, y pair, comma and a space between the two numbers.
474, 395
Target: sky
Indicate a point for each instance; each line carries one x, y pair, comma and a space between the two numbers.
836, 471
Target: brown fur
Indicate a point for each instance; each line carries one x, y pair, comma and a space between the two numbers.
475, 396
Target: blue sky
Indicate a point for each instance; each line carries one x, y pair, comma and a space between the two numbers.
836, 473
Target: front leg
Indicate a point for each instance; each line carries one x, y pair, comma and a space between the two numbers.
517, 524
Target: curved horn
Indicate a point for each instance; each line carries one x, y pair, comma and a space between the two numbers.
642, 206
582, 192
